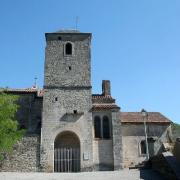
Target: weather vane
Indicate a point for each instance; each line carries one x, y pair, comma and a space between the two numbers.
35, 82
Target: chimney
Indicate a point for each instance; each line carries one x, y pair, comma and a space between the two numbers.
106, 87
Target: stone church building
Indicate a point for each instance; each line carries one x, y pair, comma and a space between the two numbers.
69, 129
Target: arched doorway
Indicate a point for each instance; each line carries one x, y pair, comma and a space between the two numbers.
67, 152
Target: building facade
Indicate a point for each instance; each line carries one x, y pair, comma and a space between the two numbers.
72, 129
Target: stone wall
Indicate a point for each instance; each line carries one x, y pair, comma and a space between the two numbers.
25, 156
59, 117
117, 140
133, 134
67, 99
24, 110
103, 155
67, 70
29, 112
137, 129
131, 150
36, 115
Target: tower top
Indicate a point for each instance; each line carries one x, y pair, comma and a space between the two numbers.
67, 34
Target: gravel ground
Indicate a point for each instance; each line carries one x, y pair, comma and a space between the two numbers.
106, 175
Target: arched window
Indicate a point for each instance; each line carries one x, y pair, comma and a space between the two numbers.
106, 128
68, 49
97, 127
143, 147
101, 127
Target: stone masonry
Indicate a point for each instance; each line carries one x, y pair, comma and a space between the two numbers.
67, 95
25, 156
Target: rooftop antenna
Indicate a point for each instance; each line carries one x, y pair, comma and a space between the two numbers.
35, 82
77, 19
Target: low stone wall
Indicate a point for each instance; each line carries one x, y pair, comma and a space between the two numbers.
25, 156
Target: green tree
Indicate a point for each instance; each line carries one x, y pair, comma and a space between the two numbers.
9, 133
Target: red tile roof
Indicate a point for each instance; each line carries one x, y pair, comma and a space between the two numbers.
38, 92
27, 90
101, 107
99, 98
136, 117
103, 102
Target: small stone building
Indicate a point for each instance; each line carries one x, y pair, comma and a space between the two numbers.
69, 129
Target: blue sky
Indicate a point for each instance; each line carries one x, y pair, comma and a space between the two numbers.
136, 45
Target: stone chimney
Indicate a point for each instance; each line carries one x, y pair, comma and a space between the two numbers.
106, 87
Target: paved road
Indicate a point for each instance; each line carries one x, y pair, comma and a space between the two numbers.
108, 175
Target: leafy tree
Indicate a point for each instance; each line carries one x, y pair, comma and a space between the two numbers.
9, 132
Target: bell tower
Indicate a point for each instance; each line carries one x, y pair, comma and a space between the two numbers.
67, 99
67, 59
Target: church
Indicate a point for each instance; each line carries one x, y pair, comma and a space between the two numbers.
69, 129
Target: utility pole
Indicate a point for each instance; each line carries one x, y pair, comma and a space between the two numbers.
145, 117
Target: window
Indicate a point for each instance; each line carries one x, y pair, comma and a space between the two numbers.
101, 127
68, 49
106, 133
97, 127
143, 147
